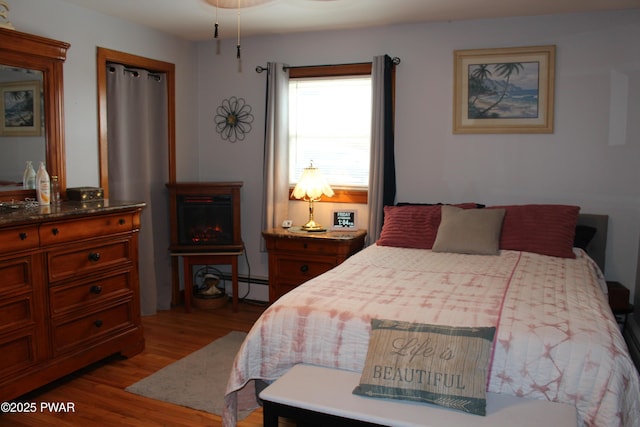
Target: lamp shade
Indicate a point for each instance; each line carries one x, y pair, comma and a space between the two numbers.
312, 185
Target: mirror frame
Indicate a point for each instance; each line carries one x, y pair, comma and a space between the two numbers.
23, 50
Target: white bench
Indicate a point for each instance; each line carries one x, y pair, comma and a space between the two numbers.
322, 396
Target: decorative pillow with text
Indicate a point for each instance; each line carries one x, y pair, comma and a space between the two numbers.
444, 365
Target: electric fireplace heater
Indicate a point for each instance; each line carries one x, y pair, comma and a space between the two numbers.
205, 217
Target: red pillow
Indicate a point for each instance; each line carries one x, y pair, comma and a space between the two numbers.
541, 229
412, 226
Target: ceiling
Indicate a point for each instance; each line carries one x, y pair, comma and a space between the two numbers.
194, 19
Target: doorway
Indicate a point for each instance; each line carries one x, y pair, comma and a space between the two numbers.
155, 263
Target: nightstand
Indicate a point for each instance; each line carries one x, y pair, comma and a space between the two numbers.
296, 256
619, 302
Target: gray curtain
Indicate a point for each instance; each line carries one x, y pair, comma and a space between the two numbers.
275, 196
382, 176
138, 170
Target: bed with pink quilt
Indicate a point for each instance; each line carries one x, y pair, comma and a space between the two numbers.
556, 338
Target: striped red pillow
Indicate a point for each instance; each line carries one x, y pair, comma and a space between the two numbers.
412, 226
542, 229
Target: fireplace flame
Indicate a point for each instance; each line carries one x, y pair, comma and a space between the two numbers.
207, 233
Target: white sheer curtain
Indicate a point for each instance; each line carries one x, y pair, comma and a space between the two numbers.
276, 148
138, 170
382, 184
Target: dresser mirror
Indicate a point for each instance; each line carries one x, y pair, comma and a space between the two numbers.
31, 128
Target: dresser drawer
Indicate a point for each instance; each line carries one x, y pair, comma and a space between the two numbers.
76, 295
305, 246
16, 312
80, 260
15, 275
94, 326
19, 238
298, 270
69, 231
19, 352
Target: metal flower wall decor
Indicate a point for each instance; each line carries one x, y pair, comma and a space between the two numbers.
233, 119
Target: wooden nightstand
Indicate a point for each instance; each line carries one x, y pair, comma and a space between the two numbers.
296, 256
619, 302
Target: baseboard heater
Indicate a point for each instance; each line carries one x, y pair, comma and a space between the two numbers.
246, 279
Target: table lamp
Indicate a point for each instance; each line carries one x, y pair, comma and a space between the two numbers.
311, 186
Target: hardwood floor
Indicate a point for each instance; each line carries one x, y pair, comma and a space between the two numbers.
97, 391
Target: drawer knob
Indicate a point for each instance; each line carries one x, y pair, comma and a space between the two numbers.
304, 245
55, 231
98, 323
94, 256
95, 289
304, 268
23, 236
122, 221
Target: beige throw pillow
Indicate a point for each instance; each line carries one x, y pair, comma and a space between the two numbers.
469, 231
443, 365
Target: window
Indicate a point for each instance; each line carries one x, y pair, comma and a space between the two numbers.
330, 124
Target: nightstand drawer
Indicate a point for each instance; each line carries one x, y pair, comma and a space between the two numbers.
297, 270
303, 246
295, 258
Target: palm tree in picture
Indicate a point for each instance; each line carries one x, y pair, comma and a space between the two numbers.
21, 111
477, 78
504, 70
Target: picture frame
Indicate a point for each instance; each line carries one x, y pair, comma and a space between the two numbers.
20, 104
504, 90
344, 220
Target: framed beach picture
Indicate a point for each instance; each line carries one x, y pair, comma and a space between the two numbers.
20, 108
505, 90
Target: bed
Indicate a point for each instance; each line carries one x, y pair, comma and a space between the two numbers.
556, 338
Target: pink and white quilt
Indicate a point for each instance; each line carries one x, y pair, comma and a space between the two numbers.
556, 336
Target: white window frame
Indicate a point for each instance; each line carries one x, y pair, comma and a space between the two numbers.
350, 194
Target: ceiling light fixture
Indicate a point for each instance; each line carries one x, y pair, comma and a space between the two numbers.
229, 4
215, 31
232, 4
238, 44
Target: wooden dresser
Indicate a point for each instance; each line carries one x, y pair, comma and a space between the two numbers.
68, 290
295, 256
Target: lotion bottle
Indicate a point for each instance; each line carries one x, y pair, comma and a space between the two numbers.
43, 186
29, 177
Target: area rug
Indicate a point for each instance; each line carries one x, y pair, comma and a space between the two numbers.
198, 380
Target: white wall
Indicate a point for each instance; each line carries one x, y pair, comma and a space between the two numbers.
578, 164
590, 160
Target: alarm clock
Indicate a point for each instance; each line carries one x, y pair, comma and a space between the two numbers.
344, 220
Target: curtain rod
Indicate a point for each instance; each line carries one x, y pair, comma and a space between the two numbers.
260, 68
135, 71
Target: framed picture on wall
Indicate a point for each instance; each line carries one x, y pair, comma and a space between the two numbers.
505, 90
20, 108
